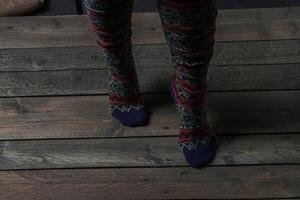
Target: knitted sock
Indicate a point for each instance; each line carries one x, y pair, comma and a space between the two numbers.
111, 20
189, 27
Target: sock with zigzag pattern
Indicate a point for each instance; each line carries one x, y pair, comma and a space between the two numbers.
189, 28
111, 20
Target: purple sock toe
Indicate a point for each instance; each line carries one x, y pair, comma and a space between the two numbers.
197, 153
129, 115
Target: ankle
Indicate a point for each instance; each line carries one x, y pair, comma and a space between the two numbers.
202, 134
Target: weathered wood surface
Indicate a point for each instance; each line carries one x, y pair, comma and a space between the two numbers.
233, 25
82, 82
267, 64
153, 57
144, 152
153, 183
264, 65
69, 147
88, 116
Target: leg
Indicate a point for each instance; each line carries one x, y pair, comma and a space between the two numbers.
189, 28
111, 20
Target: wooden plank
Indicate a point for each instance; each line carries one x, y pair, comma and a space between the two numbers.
88, 116
52, 83
144, 152
80, 70
155, 56
258, 14
153, 183
82, 82
60, 31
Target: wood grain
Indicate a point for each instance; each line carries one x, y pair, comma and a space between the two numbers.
88, 116
69, 147
265, 65
154, 56
153, 183
232, 25
144, 152
86, 82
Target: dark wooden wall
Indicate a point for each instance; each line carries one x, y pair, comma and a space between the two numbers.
69, 7
227, 4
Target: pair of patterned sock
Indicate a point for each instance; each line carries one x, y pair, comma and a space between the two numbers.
189, 28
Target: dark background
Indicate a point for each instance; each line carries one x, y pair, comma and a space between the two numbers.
73, 7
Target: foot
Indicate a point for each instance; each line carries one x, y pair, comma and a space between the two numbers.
129, 115
126, 101
196, 139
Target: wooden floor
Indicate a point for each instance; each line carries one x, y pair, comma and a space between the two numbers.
58, 141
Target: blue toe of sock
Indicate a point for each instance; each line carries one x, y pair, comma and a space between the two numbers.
202, 155
131, 118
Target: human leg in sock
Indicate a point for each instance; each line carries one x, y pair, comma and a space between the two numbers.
111, 20
189, 28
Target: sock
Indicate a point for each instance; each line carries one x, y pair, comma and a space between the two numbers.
111, 20
189, 28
